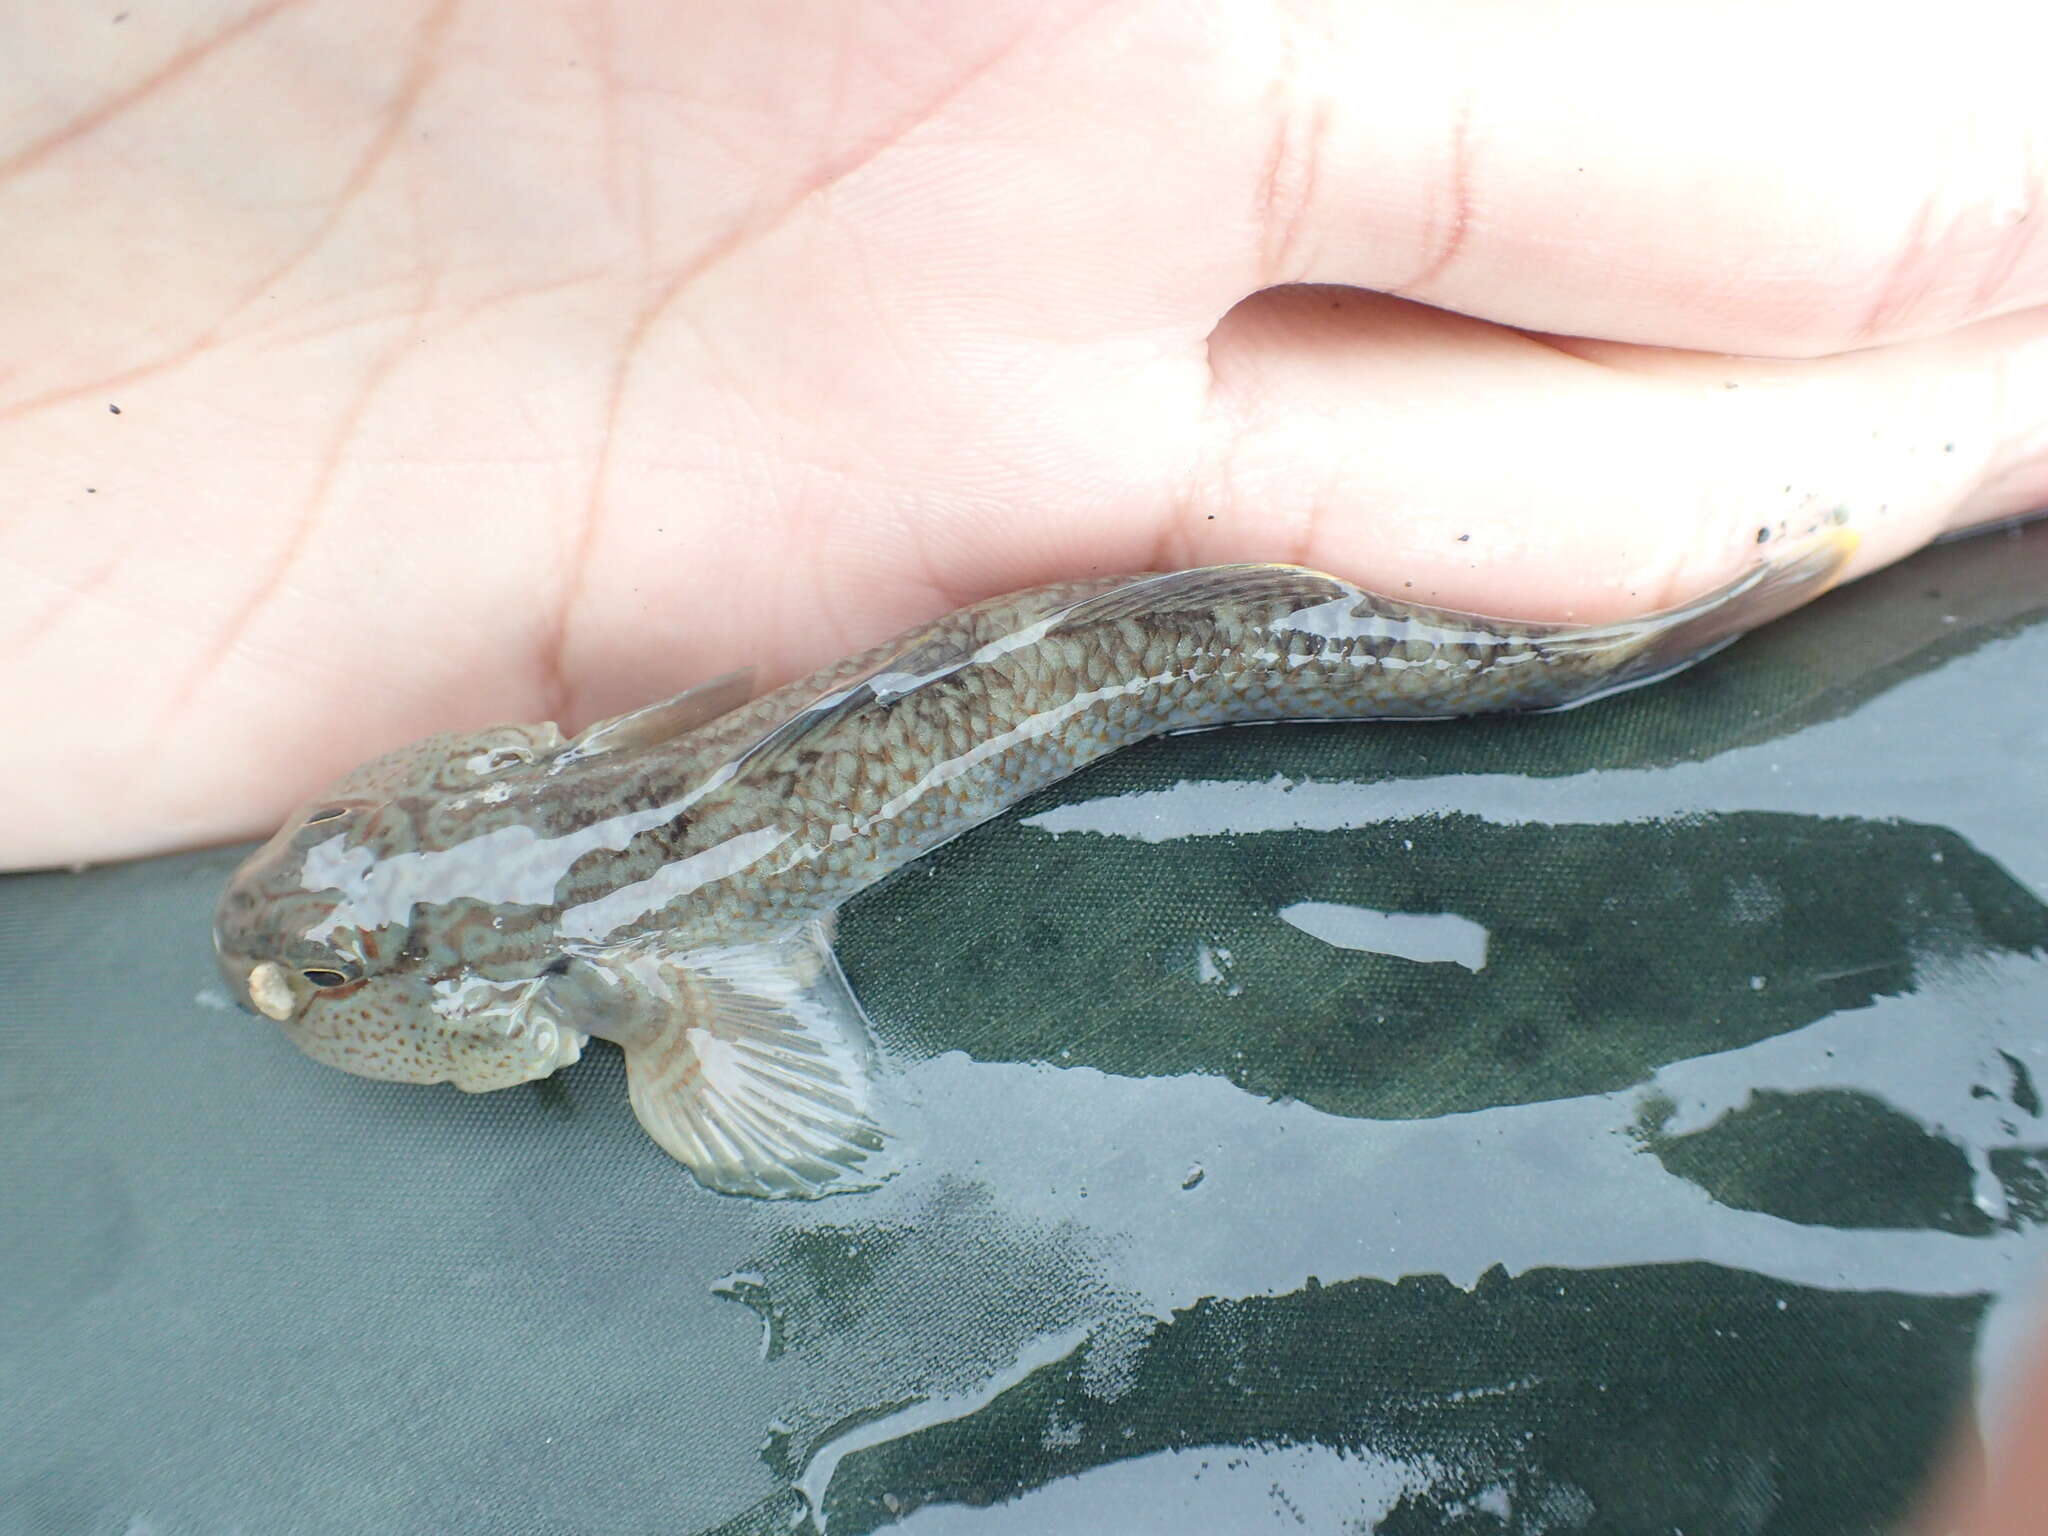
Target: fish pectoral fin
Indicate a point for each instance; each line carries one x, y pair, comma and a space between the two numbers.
762, 1082
656, 723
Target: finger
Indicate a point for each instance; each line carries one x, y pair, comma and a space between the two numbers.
1491, 470
2002, 1493
1751, 177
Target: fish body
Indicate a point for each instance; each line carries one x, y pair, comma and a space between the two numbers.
473, 907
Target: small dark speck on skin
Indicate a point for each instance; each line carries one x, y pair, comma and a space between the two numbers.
91, 491
1464, 538
1763, 535
1212, 517
115, 409
1407, 583
1948, 447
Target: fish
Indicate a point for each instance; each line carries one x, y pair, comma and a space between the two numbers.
474, 907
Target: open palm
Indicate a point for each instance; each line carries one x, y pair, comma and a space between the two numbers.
375, 368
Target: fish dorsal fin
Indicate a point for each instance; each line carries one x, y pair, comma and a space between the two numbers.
939, 652
1203, 588
762, 1081
924, 661
654, 724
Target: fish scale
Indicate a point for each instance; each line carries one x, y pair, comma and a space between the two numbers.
1234, 666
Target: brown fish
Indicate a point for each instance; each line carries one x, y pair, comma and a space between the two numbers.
473, 907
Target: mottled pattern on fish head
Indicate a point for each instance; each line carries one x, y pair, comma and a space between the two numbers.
351, 931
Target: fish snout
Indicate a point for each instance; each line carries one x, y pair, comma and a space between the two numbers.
255, 985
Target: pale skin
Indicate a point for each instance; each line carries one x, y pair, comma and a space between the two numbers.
523, 362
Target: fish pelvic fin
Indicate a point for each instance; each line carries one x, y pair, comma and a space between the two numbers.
761, 1081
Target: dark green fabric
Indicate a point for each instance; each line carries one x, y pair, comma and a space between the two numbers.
1712, 1201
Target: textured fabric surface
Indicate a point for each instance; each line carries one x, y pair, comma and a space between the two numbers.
1621, 1121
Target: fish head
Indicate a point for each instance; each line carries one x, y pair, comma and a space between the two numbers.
343, 928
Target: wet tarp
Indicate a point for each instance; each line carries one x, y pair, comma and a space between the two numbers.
1626, 1120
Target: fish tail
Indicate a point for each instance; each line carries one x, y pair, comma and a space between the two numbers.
1634, 652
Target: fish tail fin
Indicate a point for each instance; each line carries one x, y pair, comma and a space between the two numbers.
1647, 649
762, 1081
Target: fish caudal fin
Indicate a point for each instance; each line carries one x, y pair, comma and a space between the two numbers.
763, 1082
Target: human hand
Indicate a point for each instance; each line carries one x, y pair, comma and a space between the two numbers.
509, 363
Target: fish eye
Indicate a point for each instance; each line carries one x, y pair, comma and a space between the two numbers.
497, 760
321, 977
